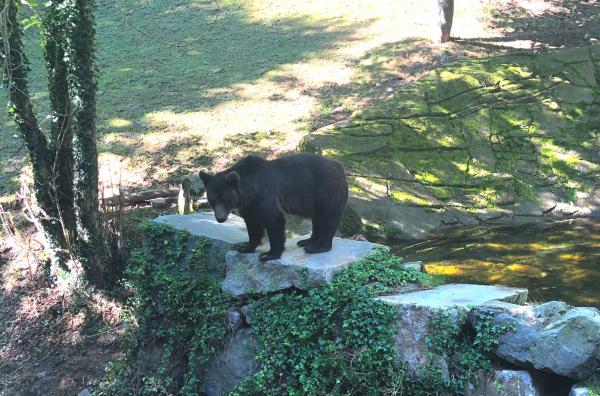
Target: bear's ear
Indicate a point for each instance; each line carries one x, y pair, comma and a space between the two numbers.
233, 179
205, 177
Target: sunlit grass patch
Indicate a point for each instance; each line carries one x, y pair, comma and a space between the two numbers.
243, 67
119, 123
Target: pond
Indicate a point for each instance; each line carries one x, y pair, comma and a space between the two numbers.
555, 261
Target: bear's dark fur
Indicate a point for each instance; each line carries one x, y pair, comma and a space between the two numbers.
306, 185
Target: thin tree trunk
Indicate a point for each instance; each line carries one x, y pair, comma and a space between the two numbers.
446, 14
61, 137
15, 68
82, 91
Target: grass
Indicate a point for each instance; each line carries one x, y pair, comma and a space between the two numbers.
191, 84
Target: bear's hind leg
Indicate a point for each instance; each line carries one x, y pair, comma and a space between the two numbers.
326, 231
313, 237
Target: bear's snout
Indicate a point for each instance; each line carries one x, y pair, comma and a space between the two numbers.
221, 214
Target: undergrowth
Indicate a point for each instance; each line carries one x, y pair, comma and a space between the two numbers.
334, 340
593, 384
177, 321
331, 340
339, 340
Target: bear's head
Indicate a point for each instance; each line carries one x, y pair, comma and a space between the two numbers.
222, 191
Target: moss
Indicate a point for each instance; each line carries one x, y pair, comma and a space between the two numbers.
481, 132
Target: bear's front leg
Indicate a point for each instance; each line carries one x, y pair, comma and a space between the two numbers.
255, 232
276, 231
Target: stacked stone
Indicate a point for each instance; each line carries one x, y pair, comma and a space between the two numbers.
553, 337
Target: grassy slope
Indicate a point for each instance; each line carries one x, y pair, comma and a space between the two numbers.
197, 83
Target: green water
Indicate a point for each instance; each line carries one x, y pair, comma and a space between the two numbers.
555, 261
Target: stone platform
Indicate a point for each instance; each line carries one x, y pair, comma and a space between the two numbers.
296, 268
458, 295
231, 232
223, 237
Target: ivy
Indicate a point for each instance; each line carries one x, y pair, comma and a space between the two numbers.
332, 340
178, 313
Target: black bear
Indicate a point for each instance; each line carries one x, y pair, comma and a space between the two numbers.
307, 185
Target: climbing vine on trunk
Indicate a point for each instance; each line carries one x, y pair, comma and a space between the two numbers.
65, 160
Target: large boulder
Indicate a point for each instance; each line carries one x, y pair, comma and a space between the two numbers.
223, 237
247, 274
503, 383
230, 366
416, 309
552, 337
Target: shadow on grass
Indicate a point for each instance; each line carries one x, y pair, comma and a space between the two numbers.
175, 58
221, 48
158, 95
549, 24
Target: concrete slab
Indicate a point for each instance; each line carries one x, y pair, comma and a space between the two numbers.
458, 295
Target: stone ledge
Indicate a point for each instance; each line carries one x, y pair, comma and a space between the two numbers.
232, 232
458, 295
246, 274
221, 236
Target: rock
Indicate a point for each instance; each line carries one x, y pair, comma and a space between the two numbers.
247, 312
579, 391
382, 216
458, 295
453, 216
503, 383
84, 392
233, 231
413, 170
223, 237
528, 209
229, 367
552, 337
234, 320
246, 274
489, 215
159, 203
413, 265
416, 309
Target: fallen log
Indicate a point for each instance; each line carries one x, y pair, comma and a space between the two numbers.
141, 197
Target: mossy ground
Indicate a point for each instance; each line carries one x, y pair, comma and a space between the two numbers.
479, 134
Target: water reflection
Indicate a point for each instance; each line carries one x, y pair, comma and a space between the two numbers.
555, 261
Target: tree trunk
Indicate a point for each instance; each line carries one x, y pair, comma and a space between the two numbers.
82, 91
15, 71
61, 150
446, 14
